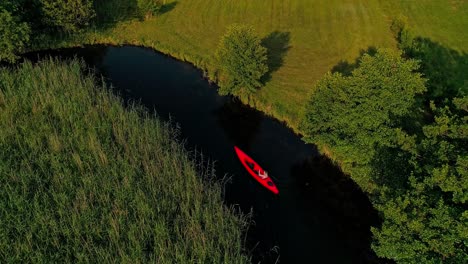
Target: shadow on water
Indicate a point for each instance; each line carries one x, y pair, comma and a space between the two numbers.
232, 116
320, 216
346, 68
348, 209
110, 12
277, 45
93, 57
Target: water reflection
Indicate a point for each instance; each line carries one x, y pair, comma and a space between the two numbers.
240, 123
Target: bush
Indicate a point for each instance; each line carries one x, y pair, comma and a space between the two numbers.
14, 36
243, 61
353, 114
67, 15
402, 33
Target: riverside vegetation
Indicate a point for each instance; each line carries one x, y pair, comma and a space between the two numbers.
395, 121
84, 179
412, 161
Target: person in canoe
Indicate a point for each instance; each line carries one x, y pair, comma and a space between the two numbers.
261, 173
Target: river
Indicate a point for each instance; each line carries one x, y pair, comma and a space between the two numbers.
320, 215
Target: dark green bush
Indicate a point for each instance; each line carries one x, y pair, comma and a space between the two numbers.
243, 61
67, 15
14, 36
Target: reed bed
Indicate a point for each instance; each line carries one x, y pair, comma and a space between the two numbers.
85, 179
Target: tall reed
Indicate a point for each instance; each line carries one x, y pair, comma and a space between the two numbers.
84, 179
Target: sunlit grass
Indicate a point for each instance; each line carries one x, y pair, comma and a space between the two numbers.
83, 179
321, 35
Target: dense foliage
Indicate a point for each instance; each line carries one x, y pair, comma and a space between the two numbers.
243, 61
25, 21
14, 36
355, 114
424, 217
412, 160
84, 179
67, 15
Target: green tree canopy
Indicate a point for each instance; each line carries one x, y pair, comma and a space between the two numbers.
14, 36
425, 219
354, 113
243, 61
67, 15
417, 174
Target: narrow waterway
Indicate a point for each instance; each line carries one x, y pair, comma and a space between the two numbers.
320, 215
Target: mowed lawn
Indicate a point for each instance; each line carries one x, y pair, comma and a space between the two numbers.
442, 21
312, 36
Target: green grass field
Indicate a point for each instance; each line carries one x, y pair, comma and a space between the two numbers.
84, 179
312, 36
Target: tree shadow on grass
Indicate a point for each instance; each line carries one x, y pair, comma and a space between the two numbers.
277, 45
346, 68
111, 12
446, 69
168, 7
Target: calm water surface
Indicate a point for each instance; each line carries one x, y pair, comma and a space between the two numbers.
320, 215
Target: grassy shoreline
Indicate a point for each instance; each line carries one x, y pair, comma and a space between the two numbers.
85, 178
305, 42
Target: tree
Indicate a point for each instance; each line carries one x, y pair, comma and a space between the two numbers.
353, 114
67, 15
243, 61
14, 36
425, 220
418, 174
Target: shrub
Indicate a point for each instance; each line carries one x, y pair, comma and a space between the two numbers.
353, 114
14, 36
67, 15
243, 61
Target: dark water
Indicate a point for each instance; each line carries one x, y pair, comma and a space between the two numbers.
320, 215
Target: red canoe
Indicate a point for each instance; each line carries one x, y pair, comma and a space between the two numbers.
254, 169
